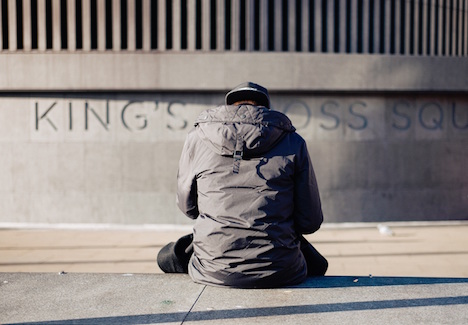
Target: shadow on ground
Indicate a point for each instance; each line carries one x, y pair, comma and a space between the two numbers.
291, 310
370, 281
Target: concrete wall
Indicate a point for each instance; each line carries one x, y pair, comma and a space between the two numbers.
96, 98
113, 157
202, 72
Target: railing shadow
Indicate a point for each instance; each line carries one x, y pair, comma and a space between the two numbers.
371, 281
263, 312
321, 282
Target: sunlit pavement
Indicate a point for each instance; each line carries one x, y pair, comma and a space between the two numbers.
402, 249
393, 274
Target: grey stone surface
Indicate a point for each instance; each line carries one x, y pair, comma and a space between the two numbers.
92, 299
220, 71
340, 300
112, 158
384, 110
154, 299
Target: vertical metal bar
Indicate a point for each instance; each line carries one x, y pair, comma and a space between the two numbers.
447, 29
440, 28
459, 27
86, 12
465, 19
397, 27
249, 26
292, 25
354, 26
305, 21
162, 25
146, 17
220, 25
131, 25
376, 40
191, 27
440, 32
116, 43
365, 26
235, 24
433, 31
206, 25
318, 25
416, 28
278, 25
330, 26
388, 24
12, 46
101, 25
56, 32
407, 27
432, 20
251, 22
27, 40
71, 25
343, 27
425, 21
437, 31
1, 31
41, 25
454, 26
263, 25
176, 25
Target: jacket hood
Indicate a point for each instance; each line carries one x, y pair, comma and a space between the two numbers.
257, 128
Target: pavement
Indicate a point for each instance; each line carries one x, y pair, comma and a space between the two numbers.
397, 273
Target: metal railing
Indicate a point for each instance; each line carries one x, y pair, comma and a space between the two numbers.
392, 27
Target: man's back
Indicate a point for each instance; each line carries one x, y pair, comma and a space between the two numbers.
246, 176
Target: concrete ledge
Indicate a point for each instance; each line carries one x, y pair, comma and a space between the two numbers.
51, 298
221, 71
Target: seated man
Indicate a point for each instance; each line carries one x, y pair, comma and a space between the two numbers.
245, 175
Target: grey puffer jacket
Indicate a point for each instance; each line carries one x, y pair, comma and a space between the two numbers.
246, 177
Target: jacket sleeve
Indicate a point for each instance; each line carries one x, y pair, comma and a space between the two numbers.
187, 196
308, 214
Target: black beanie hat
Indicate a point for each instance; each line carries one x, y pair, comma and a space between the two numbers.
249, 91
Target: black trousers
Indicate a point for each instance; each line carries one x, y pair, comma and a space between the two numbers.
175, 257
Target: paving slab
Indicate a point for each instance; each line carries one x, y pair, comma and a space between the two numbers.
340, 300
78, 298
75, 298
